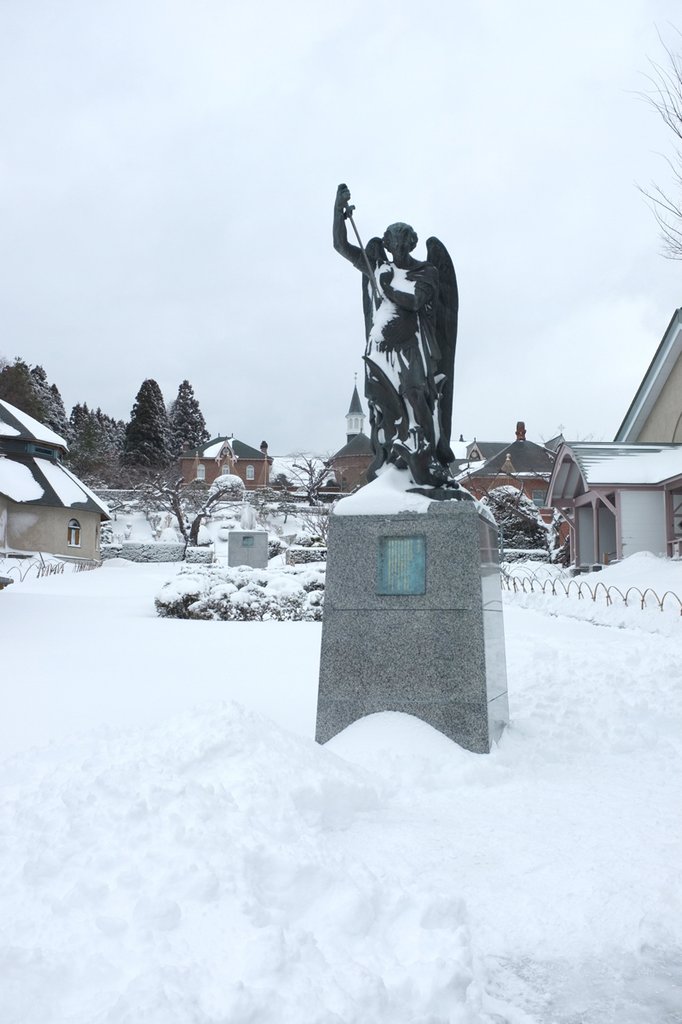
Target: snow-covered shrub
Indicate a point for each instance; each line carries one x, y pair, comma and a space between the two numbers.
526, 554
519, 519
151, 552
229, 486
203, 555
275, 547
242, 593
304, 555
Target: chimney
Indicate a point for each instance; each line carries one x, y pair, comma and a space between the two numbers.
264, 447
520, 431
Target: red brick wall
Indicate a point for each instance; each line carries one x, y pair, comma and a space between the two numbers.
351, 470
213, 469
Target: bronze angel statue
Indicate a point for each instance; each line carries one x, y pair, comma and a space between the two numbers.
410, 312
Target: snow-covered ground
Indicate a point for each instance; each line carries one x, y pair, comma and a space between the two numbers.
175, 849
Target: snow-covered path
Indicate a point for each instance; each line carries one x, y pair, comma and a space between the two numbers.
210, 867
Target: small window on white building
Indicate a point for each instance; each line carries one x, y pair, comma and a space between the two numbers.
73, 534
250, 473
201, 471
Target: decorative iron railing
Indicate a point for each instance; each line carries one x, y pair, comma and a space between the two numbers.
21, 570
583, 591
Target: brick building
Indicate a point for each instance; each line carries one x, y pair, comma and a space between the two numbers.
350, 463
521, 464
227, 455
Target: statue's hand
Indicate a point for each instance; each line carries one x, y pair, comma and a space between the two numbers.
386, 277
342, 197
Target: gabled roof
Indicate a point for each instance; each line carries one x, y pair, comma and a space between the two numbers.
582, 466
16, 425
355, 408
212, 449
44, 482
359, 444
526, 457
487, 448
665, 357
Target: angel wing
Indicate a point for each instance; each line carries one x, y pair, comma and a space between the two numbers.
376, 254
445, 323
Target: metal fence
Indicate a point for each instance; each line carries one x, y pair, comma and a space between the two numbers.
557, 586
19, 570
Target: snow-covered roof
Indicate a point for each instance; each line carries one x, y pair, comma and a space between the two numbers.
628, 464
214, 449
16, 424
582, 466
35, 481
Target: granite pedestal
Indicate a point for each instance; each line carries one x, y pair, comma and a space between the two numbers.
413, 623
248, 547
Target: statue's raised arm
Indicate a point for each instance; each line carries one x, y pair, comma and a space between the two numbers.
410, 309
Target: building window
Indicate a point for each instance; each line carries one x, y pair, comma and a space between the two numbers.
250, 473
539, 498
201, 471
74, 534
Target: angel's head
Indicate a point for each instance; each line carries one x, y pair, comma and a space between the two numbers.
400, 239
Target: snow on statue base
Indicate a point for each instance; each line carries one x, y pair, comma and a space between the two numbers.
413, 620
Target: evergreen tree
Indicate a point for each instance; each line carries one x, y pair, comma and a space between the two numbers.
96, 444
54, 413
146, 438
17, 387
187, 423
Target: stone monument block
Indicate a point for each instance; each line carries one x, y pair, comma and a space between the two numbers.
413, 623
248, 547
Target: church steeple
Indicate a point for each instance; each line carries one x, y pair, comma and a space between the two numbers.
355, 417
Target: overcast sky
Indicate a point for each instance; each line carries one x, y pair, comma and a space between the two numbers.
167, 176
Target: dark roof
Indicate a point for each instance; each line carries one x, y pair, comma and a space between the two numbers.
359, 444
60, 488
355, 408
526, 457
245, 451
241, 450
555, 443
488, 448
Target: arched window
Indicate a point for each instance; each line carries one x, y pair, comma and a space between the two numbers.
73, 534
201, 471
250, 473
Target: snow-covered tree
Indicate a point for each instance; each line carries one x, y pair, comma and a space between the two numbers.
186, 421
309, 474
95, 444
54, 413
17, 387
146, 439
519, 519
